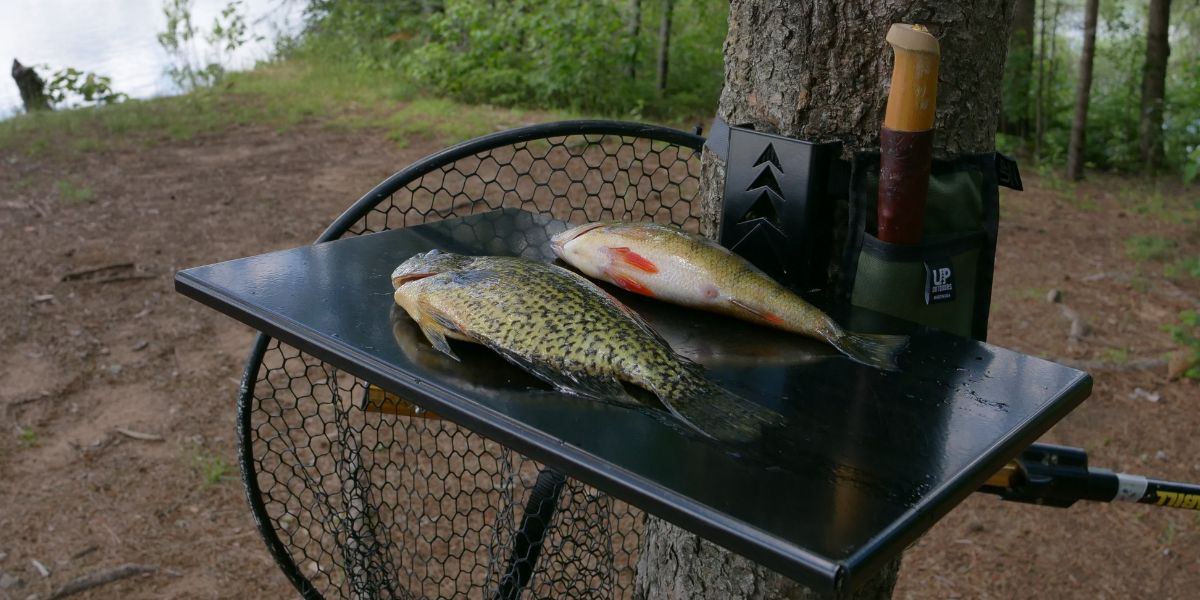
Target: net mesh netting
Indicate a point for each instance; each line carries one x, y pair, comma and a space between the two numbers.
397, 503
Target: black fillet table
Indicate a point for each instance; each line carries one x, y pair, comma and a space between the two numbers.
868, 461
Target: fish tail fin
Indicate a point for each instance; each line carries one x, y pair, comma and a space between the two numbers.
871, 349
715, 411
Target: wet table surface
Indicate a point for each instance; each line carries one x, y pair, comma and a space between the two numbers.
867, 462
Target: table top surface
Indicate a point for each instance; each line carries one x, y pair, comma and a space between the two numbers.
867, 462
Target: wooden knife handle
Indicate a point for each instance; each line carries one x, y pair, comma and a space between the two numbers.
906, 139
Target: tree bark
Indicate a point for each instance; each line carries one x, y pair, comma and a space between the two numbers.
664, 44
1154, 83
1018, 72
32, 87
1083, 92
819, 71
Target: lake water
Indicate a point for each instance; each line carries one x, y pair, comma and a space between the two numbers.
118, 38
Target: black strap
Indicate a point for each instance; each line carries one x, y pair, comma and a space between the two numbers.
1007, 173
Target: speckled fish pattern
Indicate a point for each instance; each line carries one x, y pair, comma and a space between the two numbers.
569, 332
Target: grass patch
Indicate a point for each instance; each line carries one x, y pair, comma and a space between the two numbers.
74, 193
448, 122
1183, 268
1149, 247
1186, 333
1033, 293
87, 145
1116, 355
443, 120
309, 86
1147, 198
1139, 282
1053, 180
28, 437
211, 469
85, 130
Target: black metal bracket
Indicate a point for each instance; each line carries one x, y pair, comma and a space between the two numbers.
777, 214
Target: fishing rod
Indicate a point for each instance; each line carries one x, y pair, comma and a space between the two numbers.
1059, 476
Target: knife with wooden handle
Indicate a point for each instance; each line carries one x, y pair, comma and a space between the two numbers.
906, 139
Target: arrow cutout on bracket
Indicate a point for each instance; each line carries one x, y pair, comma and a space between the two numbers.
768, 156
766, 179
766, 206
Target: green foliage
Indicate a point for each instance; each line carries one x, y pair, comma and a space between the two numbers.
1186, 333
545, 54
307, 86
190, 69
1117, 355
444, 120
211, 469
28, 437
1114, 111
73, 193
1149, 247
1183, 268
1160, 199
82, 87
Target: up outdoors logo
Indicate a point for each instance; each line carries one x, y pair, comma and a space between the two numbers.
939, 281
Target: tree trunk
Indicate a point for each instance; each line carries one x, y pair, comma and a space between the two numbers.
1154, 83
1045, 79
1018, 72
1083, 92
820, 71
633, 28
1039, 106
32, 87
664, 44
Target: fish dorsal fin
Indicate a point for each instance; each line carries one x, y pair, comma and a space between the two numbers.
763, 314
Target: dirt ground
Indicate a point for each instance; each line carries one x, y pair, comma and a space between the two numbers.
95, 359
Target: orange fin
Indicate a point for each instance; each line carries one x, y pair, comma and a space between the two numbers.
765, 315
634, 259
630, 284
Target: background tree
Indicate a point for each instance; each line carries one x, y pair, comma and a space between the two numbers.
664, 45
1048, 28
1154, 80
1083, 92
633, 29
1018, 71
820, 71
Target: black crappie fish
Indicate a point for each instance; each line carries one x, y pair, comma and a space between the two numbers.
568, 332
670, 264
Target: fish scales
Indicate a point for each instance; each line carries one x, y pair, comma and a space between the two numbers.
675, 266
567, 331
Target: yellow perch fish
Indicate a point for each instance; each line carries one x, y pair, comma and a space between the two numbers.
568, 332
670, 264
